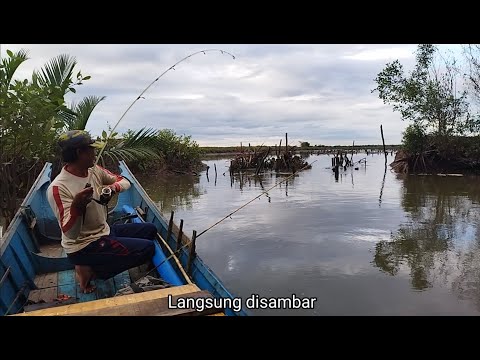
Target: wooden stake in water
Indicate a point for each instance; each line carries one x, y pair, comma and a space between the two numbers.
353, 146
383, 141
191, 253
170, 226
180, 235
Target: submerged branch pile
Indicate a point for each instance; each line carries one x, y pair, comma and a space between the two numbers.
277, 158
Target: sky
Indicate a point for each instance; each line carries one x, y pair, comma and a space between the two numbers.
320, 93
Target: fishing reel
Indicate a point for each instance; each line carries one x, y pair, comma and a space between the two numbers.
106, 195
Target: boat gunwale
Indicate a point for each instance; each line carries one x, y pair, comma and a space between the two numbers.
17, 218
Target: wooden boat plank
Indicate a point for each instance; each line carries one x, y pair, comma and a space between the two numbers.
82, 297
47, 295
66, 277
39, 306
21, 256
121, 280
105, 288
51, 250
113, 302
49, 280
69, 286
34, 296
154, 307
69, 290
25, 235
46, 280
138, 272
39, 280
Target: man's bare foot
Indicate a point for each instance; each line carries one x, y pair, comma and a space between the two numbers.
85, 274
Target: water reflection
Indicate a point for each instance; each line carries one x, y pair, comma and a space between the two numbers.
439, 244
264, 181
304, 154
383, 185
170, 192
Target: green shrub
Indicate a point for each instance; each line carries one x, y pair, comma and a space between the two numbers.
414, 139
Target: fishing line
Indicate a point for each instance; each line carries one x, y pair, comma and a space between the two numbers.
256, 197
176, 252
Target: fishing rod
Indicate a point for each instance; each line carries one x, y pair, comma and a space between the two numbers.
176, 252
141, 96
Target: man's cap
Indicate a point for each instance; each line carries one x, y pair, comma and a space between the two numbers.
74, 139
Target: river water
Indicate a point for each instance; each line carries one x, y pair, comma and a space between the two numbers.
368, 243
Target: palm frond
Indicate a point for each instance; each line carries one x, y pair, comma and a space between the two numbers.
142, 138
113, 157
57, 72
131, 154
136, 146
69, 118
11, 64
84, 110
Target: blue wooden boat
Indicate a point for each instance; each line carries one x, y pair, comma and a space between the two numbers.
36, 278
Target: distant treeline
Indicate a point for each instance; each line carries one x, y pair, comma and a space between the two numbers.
235, 149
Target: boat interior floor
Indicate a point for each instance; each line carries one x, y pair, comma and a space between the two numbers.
62, 288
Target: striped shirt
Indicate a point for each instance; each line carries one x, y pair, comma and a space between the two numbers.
77, 232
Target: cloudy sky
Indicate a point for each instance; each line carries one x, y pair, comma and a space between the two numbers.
316, 93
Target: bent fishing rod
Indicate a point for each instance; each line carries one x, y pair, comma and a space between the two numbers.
223, 52
176, 252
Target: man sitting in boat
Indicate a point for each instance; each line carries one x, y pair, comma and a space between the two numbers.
97, 249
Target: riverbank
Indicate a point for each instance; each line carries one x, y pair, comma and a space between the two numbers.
460, 155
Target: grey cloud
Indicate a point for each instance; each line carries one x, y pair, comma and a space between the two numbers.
313, 92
